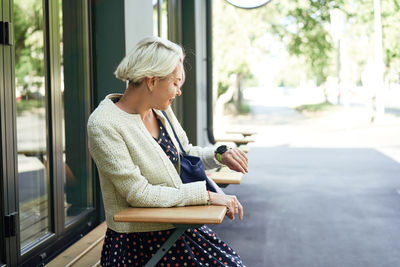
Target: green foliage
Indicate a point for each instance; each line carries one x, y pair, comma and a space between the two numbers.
29, 51
360, 32
304, 30
234, 38
244, 108
25, 105
391, 37
222, 88
324, 106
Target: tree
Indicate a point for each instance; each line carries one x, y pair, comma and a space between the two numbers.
304, 28
29, 50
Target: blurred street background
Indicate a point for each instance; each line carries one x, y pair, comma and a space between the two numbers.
323, 187
319, 81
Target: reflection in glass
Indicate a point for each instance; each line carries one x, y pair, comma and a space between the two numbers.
160, 18
155, 18
78, 196
164, 19
31, 121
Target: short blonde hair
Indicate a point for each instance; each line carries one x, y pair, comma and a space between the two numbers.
152, 57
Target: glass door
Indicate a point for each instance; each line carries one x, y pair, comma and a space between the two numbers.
74, 109
47, 187
32, 122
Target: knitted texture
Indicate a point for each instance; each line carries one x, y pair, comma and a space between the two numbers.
133, 168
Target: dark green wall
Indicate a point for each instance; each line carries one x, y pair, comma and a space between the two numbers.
108, 38
189, 88
108, 49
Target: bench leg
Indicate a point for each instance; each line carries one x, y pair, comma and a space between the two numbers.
180, 229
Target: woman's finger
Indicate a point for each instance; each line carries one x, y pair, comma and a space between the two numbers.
240, 210
229, 213
243, 157
240, 161
232, 206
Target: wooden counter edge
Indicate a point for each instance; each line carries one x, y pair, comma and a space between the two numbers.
176, 215
226, 181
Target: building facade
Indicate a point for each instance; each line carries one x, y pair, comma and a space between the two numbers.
57, 64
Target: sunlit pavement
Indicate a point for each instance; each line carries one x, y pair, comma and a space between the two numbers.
321, 191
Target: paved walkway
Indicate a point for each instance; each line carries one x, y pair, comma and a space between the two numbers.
321, 192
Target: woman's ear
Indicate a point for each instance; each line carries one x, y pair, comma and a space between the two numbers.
151, 83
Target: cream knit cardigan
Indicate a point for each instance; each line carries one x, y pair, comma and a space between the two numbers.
133, 168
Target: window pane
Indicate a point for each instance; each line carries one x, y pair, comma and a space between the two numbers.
160, 18
75, 109
164, 19
155, 17
31, 121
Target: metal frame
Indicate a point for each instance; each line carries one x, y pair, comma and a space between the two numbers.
180, 229
210, 96
61, 235
175, 35
9, 138
3, 166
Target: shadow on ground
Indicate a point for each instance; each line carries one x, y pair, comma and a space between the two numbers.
316, 207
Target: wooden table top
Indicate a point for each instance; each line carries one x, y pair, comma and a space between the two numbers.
226, 177
244, 133
177, 215
237, 141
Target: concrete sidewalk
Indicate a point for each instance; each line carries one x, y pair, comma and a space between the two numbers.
320, 192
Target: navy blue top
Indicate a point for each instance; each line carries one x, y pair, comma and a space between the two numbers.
166, 144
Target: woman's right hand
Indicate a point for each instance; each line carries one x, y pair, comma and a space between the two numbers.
232, 204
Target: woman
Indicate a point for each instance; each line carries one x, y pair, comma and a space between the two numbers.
137, 157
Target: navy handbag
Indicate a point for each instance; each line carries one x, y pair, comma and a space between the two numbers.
192, 168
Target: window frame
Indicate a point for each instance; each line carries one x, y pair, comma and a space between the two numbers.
60, 235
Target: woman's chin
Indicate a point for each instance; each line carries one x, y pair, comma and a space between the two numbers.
165, 107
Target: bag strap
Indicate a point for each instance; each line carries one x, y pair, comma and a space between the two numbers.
176, 137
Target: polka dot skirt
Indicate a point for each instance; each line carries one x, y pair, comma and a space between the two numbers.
196, 247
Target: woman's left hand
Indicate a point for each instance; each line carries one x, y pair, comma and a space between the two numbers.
236, 160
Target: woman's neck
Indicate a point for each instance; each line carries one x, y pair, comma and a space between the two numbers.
134, 101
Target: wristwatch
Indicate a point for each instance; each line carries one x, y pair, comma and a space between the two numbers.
219, 151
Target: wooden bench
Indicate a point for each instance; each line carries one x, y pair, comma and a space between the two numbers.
85, 252
181, 217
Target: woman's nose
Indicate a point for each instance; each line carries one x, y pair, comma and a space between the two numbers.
178, 92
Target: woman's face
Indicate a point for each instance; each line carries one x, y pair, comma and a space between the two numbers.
168, 88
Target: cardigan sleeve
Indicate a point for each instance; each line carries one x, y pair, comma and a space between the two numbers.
114, 162
205, 153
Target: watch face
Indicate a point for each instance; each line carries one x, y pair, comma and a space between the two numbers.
221, 149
